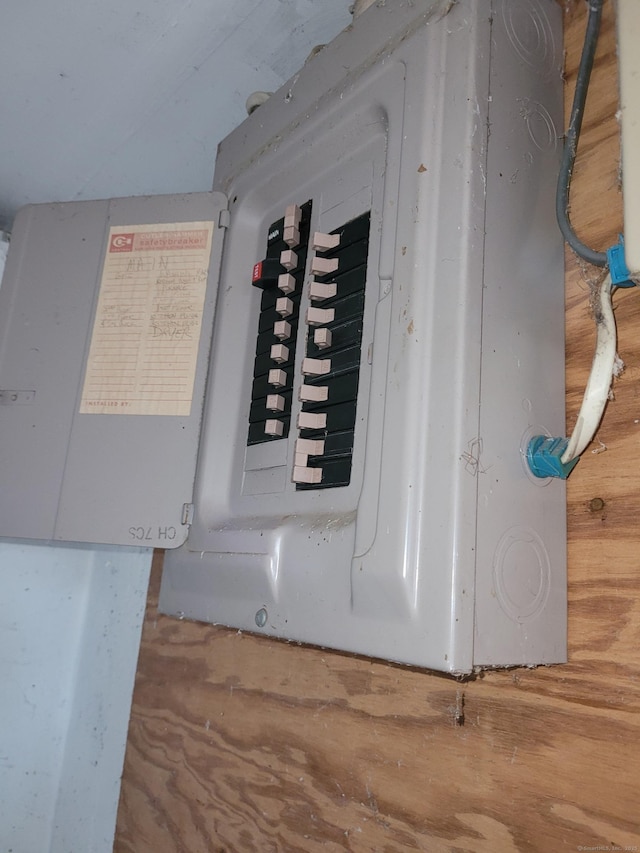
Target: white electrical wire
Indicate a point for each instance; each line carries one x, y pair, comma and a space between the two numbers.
4, 249
597, 391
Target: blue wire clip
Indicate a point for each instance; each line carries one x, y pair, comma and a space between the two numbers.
544, 457
618, 269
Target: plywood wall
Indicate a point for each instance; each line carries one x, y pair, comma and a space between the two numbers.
245, 744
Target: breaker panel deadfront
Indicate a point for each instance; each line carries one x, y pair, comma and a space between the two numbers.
388, 334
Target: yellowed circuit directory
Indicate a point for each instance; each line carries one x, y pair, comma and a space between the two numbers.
146, 333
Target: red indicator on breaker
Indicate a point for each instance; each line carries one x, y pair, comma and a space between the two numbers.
265, 273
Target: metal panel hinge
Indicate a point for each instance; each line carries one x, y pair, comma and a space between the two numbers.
187, 513
224, 218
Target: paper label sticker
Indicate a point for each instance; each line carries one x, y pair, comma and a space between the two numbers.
144, 346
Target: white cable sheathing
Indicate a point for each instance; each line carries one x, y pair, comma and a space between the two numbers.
597, 391
4, 249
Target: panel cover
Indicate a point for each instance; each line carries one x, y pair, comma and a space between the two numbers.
105, 317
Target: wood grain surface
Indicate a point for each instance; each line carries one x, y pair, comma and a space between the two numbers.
245, 744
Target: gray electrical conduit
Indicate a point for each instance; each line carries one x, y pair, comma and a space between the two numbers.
599, 259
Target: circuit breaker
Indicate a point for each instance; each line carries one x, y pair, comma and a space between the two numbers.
332, 325
388, 334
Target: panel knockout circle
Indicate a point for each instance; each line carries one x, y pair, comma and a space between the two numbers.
531, 34
522, 573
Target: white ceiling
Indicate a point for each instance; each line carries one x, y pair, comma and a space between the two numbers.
113, 98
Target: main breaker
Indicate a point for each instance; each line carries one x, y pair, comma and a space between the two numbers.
374, 295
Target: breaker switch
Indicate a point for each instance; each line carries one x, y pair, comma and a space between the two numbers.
275, 403
319, 291
310, 446
312, 420
310, 476
289, 259
322, 338
316, 366
279, 353
284, 306
277, 377
313, 393
273, 427
286, 283
325, 242
320, 316
292, 216
323, 266
291, 236
282, 330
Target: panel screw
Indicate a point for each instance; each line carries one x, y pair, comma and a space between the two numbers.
261, 617
596, 504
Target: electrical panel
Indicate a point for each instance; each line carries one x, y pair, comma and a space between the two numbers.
388, 335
